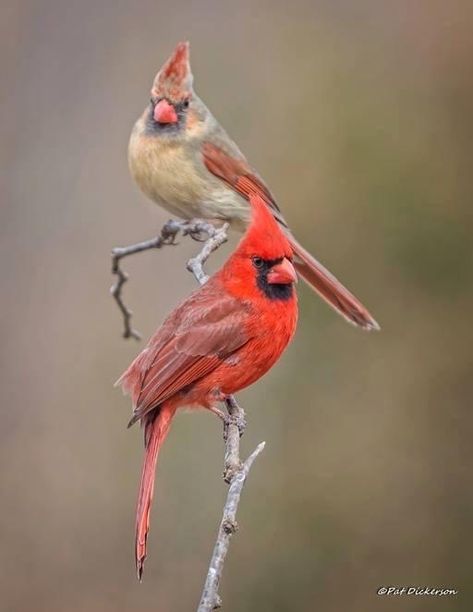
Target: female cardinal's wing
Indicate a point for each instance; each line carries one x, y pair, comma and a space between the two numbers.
236, 172
193, 341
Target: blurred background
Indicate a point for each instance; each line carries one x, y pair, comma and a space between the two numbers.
359, 116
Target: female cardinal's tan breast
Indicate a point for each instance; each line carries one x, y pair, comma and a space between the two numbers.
170, 172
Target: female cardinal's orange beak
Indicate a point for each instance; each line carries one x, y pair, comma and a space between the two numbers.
282, 273
165, 112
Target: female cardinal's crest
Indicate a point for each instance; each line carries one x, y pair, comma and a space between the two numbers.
264, 237
174, 80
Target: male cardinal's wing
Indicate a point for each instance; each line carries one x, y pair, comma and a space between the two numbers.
239, 176
193, 341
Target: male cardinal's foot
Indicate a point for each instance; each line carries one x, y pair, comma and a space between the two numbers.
231, 419
237, 414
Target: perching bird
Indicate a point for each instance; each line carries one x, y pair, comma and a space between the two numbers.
221, 339
184, 160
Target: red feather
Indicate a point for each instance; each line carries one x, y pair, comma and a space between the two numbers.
156, 430
239, 176
206, 329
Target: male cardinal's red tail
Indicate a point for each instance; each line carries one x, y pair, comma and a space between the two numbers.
330, 289
156, 429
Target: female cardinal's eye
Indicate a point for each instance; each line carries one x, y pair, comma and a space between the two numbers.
185, 103
257, 262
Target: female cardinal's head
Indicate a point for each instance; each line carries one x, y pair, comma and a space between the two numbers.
262, 263
174, 105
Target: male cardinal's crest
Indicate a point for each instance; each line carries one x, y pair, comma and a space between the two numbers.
264, 235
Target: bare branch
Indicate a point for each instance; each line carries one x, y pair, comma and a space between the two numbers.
196, 229
210, 599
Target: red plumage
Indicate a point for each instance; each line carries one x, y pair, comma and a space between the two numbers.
221, 339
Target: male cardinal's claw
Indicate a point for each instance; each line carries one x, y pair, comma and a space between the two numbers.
230, 419
218, 412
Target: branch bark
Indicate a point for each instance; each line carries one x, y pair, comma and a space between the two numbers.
210, 599
235, 472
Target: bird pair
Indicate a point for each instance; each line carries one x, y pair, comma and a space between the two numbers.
231, 331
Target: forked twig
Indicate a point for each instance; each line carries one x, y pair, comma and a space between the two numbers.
210, 599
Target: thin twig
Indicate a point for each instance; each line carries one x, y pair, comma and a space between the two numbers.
216, 238
196, 229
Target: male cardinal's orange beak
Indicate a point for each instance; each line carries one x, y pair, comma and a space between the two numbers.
282, 273
165, 112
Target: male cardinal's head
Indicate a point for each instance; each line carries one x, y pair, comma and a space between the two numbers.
262, 264
174, 105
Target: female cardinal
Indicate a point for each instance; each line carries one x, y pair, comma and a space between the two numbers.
184, 160
222, 338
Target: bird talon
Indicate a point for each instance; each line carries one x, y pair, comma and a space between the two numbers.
197, 234
170, 231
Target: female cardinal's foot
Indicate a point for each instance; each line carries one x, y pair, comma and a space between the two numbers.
199, 230
170, 230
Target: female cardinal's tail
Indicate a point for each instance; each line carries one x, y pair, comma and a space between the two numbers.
330, 289
156, 429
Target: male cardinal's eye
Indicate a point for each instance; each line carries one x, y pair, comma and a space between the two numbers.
258, 262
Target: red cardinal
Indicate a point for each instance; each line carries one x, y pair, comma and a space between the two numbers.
221, 339
184, 160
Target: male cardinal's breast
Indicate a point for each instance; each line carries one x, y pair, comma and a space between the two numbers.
271, 330
172, 173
